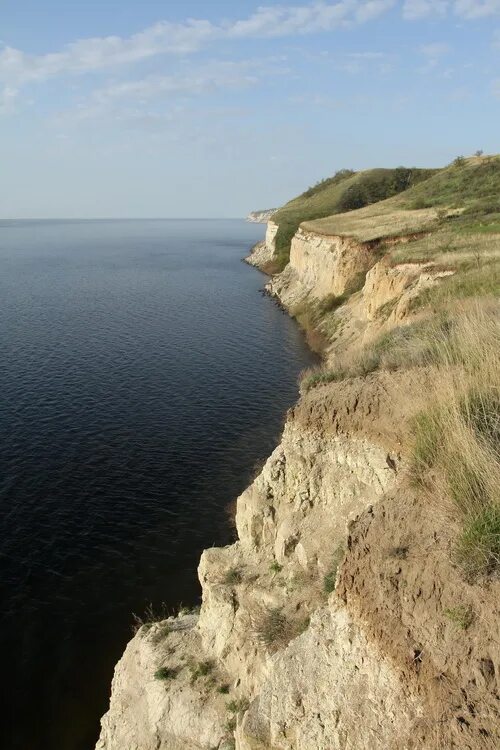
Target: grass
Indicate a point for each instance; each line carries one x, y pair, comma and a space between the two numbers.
344, 191
456, 449
150, 617
201, 669
232, 577
165, 673
461, 616
275, 630
403, 346
238, 706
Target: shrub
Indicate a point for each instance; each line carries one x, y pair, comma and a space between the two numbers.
275, 567
165, 673
272, 627
321, 377
223, 689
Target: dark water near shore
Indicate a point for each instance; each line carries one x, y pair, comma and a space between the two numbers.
142, 375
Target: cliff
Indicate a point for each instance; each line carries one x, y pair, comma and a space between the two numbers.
261, 217
358, 608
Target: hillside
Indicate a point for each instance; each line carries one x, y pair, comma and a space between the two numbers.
345, 191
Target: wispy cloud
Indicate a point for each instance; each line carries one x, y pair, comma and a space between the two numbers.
97, 53
121, 100
416, 9
477, 8
466, 9
8, 98
433, 54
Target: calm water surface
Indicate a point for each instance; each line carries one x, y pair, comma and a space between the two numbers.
142, 375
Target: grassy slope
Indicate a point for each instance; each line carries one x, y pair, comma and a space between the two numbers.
473, 188
343, 192
456, 449
460, 226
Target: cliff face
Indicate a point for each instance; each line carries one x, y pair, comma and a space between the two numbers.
261, 217
323, 626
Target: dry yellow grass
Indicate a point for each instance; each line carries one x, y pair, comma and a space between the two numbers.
375, 222
457, 440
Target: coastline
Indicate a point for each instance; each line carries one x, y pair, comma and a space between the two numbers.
318, 610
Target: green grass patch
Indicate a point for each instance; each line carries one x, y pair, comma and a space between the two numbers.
478, 546
275, 567
462, 616
165, 673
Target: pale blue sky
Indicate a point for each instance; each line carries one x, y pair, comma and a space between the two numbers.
212, 109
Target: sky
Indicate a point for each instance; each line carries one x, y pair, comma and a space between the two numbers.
163, 108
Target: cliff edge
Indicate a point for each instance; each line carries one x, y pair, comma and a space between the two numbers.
358, 608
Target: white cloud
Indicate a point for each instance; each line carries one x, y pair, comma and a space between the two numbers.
466, 9
435, 50
416, 9
476, 8
85, 55
118, 100
8, 97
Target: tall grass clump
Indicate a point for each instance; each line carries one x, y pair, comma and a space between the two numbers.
456, 450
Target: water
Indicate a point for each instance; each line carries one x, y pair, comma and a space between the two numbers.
142, 375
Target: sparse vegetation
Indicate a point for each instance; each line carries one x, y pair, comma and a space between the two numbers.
201, 669
275, 567
223, 689
165, 673
461, 616
150, 617
232, 577
456, 442
272, 627
330, 577
238, 706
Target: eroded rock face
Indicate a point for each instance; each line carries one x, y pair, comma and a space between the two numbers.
292, 523
396, 286
329, 265
174, 713
331, 689
271, 232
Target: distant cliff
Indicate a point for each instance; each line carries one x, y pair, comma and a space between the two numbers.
261, 217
